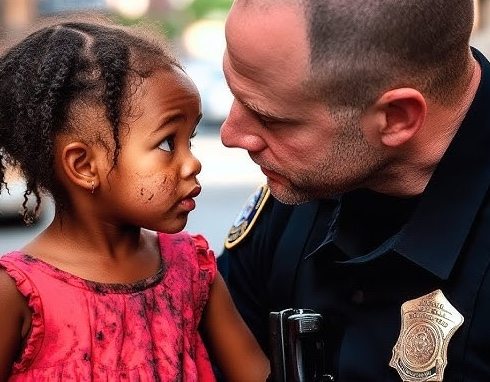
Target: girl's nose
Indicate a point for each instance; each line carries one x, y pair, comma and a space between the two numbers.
191, 167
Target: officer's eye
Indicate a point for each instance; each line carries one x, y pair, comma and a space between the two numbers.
265, 120
167, 144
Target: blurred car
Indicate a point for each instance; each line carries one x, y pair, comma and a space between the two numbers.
12, 198
216, 97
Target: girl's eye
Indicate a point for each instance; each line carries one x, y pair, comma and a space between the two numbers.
191, 138
167, 144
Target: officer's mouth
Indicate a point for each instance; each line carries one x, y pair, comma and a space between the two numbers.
271, 175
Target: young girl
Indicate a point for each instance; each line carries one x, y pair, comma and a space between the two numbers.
101, 117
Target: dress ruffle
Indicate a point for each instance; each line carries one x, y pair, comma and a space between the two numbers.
36, 334
205, 256
207, 272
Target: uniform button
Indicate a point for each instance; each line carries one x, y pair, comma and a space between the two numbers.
358, 297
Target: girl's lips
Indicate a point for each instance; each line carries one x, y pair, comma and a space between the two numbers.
188, 204
195, 192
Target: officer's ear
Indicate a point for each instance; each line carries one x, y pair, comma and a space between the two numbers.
398, 115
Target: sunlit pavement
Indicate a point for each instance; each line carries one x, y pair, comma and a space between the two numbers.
228, 177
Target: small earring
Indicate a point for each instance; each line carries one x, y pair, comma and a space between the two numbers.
93, 186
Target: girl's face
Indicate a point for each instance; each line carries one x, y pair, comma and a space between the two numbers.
154, 181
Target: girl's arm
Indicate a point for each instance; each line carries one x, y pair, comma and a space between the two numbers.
13, 314
232, 344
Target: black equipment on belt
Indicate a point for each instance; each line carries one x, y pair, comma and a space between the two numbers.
297, 346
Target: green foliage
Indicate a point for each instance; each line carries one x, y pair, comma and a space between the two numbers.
201, 8
173, 23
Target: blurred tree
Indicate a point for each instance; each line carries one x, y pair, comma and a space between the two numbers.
202, 8
172, 22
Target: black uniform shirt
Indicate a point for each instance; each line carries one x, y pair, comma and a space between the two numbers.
358, 272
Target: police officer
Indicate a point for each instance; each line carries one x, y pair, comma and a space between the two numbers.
370, 120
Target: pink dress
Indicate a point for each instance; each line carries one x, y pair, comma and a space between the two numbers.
88, 331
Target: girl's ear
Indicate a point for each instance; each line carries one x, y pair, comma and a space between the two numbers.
80, 165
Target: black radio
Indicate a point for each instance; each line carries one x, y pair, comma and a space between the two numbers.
297, 346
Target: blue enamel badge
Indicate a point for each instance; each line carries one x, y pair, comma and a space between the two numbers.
247, 216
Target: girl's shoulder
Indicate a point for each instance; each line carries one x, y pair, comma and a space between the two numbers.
188, 251
9, 289
15, 285
16, 320
13, 269
17, 288
194, 245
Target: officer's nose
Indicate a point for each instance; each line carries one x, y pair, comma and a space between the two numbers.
241, 129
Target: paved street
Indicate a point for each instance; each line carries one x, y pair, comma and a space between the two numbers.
228, 177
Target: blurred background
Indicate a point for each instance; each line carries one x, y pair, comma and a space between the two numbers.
196, 29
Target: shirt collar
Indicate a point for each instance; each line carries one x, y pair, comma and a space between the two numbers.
436, 232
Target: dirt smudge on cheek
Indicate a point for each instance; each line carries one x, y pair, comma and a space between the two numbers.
146, 194
165, 188
156, 187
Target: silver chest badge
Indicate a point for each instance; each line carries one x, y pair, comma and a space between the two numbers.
427, 325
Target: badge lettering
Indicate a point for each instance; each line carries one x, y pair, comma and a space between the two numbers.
427, 325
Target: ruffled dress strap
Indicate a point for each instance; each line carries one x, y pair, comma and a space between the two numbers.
183, 250
14, 264
190, 257
206, 261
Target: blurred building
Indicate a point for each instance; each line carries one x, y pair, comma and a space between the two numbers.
481, 32
482, 9
45, 7
16, 14
19, 14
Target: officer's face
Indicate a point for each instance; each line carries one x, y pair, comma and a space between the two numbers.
304, 152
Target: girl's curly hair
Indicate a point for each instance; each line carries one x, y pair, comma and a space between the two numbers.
49, 76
